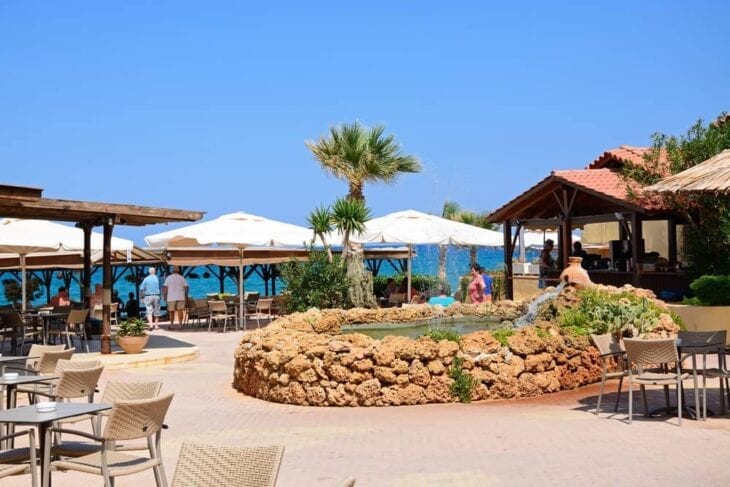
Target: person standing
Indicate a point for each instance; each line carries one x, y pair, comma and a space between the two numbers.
150, 290
547, 263
476, 286
61, 299
175, 292
488, 283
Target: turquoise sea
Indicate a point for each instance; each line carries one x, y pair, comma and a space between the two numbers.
425, 262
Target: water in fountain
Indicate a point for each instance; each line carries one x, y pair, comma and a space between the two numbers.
529, 316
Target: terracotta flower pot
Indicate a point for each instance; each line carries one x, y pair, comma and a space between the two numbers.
132, 344
575, 274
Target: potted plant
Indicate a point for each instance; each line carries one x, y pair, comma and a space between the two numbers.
131, 336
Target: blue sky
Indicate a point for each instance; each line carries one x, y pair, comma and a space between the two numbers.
206, 105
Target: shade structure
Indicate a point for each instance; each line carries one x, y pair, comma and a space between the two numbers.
710, 176
412, 227
240, 230
26, 237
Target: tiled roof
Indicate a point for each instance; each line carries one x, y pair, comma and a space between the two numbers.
615, 158
609, 184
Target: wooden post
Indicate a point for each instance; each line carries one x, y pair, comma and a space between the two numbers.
508, 284
566, 242
672, 244
106, 330
86, 276
636, 249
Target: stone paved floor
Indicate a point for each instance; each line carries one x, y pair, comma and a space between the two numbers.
542, 441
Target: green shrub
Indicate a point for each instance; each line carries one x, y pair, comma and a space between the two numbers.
464, 383
420, 282
497, 285
315, 282
603, 312
14, 290
437, 335
502, 335
712, 290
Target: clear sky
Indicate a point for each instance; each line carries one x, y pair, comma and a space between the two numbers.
206, 105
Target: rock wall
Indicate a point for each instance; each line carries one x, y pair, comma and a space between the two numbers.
302, 359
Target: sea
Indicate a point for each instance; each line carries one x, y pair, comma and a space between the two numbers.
424, 262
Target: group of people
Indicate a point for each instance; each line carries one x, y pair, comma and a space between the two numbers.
174, 291
547, 262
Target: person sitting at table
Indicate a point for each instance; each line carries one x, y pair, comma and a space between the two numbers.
60, 299
390, 288
96, 298
116, 299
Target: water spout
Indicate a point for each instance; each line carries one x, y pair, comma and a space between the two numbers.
529, 316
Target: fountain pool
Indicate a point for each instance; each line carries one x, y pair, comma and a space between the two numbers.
461, 325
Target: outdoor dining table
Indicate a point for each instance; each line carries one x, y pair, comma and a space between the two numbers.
45, 318
690, 349
29, 415
11, 384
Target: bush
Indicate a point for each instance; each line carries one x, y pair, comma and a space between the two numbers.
502, 335
419, 282
604, 312
14, 290
437, 335
712, 290
464, 383
315, 282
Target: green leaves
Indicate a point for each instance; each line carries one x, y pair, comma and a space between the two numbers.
358, 154
315, 283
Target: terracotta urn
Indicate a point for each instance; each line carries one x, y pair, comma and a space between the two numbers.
575, 274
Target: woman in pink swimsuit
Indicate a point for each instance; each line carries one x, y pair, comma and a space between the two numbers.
476, 286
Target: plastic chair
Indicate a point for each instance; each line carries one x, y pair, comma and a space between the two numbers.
263, 309
612, 355
219, 312
201, 465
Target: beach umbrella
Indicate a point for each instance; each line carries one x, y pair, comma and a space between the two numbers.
26, 237
415, 228
240, 230
710, 176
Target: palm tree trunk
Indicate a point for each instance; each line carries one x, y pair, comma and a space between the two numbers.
442, 262
473, 254
329, 250
356, 191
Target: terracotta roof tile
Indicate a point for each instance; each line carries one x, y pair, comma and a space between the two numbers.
615, 158
609, 183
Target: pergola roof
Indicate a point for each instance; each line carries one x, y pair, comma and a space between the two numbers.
636, 156
26, 202
75, 260
598, 192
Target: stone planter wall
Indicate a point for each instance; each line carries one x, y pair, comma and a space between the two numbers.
302, 359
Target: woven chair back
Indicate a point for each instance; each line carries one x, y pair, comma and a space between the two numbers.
651, 352
66, 364
607, 344
50, 358
264, 305
36, 350
202, 465
137, 418
74, 383
12, 320
77, 316
125, 391
217, 306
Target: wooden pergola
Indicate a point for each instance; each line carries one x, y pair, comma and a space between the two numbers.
570, 199
29, 203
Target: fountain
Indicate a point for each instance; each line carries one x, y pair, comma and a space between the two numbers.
532, 308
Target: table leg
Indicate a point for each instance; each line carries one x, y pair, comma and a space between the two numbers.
45, 460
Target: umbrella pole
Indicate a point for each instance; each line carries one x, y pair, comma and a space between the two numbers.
22, 281
241, 309
410, 252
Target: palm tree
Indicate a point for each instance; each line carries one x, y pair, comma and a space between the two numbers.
359, 154
453, 211
450, 211
349, 216
320, 220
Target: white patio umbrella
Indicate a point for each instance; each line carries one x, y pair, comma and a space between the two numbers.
25, 237
413, 227
240, 230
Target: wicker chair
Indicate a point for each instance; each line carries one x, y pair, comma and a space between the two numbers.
645, 353
263, 310
19, 461
202, 465
614, 356
198, 310
35, 362
219, 312
113, 392
128, 420
17, 330
712, 342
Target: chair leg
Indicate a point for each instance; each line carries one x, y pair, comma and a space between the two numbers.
631, 401
679, 402
618, 394
600, 393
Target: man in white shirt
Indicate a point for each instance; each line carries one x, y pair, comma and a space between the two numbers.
175, 292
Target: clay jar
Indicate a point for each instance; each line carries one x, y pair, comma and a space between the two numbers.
575, 274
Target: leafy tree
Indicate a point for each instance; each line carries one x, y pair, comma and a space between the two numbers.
316, 282
707, 236
349, 216
359, 154
14, 290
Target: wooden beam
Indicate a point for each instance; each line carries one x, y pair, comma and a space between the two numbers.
106, 330
508, 285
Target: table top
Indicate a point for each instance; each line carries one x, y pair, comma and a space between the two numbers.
30, 414
26, 379
15, 358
